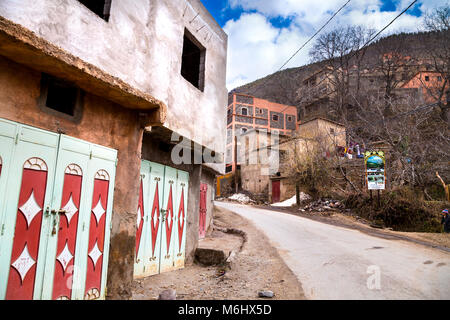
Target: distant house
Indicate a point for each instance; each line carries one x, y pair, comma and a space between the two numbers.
245, 112
430, 85
266, 162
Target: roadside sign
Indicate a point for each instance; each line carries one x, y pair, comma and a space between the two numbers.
375, 170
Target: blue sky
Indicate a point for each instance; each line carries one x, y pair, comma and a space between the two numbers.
263, 34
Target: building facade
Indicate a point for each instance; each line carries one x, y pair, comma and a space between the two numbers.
245, 112
95, 101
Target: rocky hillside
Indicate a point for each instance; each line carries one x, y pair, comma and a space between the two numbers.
281, 86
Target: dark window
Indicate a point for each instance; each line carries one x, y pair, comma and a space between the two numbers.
228, 169
193, 61
332, 130
244, 111
439, 78
61, 96
243, 130
427, 78
101, 8
275, 117
289, 118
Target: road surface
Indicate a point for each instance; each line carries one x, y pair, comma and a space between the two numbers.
337, 263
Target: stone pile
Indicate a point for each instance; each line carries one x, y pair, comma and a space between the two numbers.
323, 205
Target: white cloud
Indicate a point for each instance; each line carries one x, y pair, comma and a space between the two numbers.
257, 48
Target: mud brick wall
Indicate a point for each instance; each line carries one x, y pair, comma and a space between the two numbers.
101, 122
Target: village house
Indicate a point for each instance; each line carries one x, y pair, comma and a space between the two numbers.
112, 129
265, 166
246, 112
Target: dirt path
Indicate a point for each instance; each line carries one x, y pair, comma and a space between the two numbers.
257, 267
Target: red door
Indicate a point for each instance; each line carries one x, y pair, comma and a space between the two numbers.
97, 235
27, 231
67, 236
275, 191
202, 215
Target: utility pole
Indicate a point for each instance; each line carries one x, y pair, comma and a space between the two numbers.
235, 165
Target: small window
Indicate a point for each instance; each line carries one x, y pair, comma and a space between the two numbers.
193, 61
439, 78
244, 111
228, 169
427, 78
244, 130
289, 118
101, 8
60, 95
275, 117
260, 111
332, 130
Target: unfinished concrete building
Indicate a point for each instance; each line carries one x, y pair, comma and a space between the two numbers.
96, 99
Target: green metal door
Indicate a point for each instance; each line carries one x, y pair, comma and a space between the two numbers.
54, 182
161, 219
26, 220
179, 250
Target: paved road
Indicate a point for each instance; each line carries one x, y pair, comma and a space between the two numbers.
338, 263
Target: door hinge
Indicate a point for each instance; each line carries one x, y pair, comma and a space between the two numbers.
3, 229
90, 155
17, 138
117, 160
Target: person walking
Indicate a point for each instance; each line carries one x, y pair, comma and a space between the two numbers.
446, 220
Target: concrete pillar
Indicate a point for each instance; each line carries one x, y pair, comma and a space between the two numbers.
193, 213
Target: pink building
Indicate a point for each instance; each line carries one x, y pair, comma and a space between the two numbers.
246, 112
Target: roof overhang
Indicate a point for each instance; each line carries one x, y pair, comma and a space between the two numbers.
25, 47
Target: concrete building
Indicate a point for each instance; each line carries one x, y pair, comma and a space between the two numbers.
245, 112
269, 179
95, 97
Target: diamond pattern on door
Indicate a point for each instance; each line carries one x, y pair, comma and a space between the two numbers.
98, 210
155, 219
24, 263
67, 233
30, 208
95, 254
181, 217
27, 235
97, 232
65, 257
140, 218
169, 218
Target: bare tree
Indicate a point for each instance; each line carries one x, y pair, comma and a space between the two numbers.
438, 21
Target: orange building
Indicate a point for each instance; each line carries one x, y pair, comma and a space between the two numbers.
247, 112
430, 83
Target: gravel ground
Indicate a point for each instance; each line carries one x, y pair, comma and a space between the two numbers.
257, 267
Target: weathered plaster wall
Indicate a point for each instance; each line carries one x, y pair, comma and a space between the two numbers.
101, 122
142, 45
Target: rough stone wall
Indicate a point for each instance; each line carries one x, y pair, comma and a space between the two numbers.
277, 124
142, 45
101, 122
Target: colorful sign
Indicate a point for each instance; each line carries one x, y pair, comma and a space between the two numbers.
375, 172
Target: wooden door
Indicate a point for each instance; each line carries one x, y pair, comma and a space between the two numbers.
202, 213
275, 191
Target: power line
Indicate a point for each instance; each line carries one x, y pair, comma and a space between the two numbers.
368, 42
312, 37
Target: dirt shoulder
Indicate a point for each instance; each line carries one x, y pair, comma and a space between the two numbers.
434, 240
258, 266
